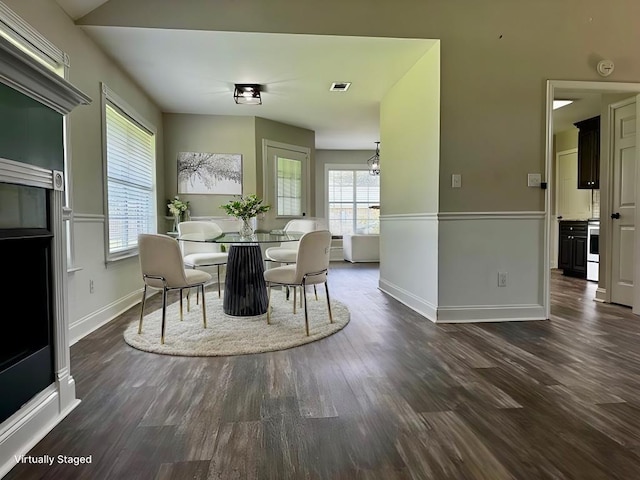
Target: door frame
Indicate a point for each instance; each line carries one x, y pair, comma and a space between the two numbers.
270, 176
605, 186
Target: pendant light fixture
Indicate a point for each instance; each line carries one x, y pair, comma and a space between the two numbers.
374, 162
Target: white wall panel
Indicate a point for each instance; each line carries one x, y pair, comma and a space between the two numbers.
409, 260
473, 249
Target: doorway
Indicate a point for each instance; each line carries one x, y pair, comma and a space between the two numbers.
610, 93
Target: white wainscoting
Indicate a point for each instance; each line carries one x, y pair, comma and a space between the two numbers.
473, 248
445, 266
409, 261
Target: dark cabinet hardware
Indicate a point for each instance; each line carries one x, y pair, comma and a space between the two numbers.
615, 216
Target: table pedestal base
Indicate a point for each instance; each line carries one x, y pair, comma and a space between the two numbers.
245, 292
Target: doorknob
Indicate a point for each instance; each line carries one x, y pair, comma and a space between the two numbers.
559, 217
615, 215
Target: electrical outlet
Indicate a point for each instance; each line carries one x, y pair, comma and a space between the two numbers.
90, 286
502, 279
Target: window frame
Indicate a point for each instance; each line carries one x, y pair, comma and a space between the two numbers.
108, 96
350, 167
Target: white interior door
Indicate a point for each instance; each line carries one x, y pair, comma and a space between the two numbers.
623, 204
571, 203
286, 180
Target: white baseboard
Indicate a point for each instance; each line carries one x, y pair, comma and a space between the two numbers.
415, 303
490, 313
23, 430
84, 326
601, 295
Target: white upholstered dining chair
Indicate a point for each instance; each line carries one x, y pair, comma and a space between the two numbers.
310, 268
202, 254
162, 268
286, 252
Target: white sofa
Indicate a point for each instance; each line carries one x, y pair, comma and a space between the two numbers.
361, 248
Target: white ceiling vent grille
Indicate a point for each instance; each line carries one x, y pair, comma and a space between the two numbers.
340, 86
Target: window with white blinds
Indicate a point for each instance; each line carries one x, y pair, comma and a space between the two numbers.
351, 194
289, 187
130, 166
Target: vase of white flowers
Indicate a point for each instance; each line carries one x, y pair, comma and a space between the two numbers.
178, 208
245, 209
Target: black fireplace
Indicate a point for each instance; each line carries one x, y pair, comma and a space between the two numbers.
26, 349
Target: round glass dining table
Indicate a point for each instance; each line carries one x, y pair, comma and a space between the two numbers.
245, 291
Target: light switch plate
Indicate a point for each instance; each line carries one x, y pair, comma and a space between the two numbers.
456, 180
534, 179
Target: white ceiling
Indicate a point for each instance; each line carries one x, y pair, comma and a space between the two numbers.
79, 8
194, 72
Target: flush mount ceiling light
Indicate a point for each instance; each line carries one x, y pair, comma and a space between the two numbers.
561, 103
374, 162
247, 93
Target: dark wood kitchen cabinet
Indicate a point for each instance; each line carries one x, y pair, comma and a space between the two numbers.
572, 251
589, 153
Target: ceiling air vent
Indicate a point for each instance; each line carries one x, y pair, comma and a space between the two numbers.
340, 86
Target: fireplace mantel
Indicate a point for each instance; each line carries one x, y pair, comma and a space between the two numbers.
25, 74
21, 431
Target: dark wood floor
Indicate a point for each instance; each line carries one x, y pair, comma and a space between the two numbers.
392, 396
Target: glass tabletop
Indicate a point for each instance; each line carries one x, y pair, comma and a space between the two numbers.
234, 237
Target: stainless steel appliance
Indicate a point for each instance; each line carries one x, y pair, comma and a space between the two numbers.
593, 249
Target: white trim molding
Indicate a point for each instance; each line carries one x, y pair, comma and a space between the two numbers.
415, 303
19, 173
22, 32
490, 313
31, 424
84, 326
25, 74
456, 216
409, 216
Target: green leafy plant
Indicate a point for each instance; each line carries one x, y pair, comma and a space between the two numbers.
177, 207
245, 207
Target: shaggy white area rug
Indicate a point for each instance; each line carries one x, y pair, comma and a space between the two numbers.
228, 335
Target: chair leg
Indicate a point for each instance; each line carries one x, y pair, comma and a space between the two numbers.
315, 291
306, 312
204, 308
164, 314
188, 300
302, 289
144, 299
294, 300
181, 316
288, 292
269, 303
326, 287
219, 280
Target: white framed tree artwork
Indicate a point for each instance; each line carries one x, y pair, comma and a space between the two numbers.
210, 173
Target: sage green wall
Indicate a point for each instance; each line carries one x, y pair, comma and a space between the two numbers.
214, 134
566, 140
495, 65
284, 133
410, 140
